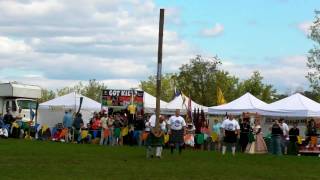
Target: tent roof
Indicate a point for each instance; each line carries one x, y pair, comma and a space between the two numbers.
178, 103
297, 105
72, 100
245, 103
149, 102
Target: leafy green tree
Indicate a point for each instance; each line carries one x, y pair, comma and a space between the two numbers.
256, 87
201, 78
46, 95
167, 86
314, 58
197, 79
65, 90
228, 85
92, 90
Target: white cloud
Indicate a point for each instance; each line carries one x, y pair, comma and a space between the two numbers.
62, 42
16, 9
283, 73
305, 27
9, 46
216, 30
55, 84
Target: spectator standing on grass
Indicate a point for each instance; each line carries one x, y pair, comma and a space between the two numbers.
84, 136
190, 134
258, 146
231, 130
276, 135
117, 124
245, 129
177, 128
110, 121
138, 129
216, 134
77, 124
294, 132
67, 123
67, 119
104, 130
285, 136
206, 136
147, 130
312, 134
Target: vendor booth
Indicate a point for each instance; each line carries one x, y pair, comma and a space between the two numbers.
149, 103
245, 103
296, 105
181, 102
51, 112
298, 108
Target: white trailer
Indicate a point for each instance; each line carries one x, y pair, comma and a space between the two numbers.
15, 97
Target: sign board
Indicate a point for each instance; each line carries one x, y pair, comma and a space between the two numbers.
122, 98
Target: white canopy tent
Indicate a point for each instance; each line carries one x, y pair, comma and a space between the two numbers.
52, 112
181, 102
245, 103
149, 103
295, 105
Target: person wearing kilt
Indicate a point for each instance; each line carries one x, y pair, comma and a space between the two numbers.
176, 125
155, 138
231, 130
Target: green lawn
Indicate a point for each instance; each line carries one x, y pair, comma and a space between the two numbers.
21, 159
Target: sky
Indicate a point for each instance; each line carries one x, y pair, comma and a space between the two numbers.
56, 43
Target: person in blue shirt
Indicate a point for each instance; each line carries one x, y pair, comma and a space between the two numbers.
67, 123
216, 129
67, 119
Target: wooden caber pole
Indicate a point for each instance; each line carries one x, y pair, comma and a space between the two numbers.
159, 66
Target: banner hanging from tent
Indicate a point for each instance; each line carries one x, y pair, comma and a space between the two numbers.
122, 98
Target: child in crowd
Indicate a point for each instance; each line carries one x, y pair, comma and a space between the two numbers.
85, 136
189, 137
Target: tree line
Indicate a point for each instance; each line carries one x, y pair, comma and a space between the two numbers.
92, 89
201, 78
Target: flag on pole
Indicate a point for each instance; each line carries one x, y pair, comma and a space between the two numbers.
189, 110
183, 100
220, 97
176, 92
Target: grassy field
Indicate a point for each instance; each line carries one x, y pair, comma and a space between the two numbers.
21, 159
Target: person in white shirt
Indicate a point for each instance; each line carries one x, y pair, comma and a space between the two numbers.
231, 129
104, 127
177, 128
155, 138
285, 137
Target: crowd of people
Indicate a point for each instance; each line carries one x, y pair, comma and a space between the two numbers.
174, 132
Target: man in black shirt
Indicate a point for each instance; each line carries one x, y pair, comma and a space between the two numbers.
139, 126
245, 128
276, 133
8, 118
